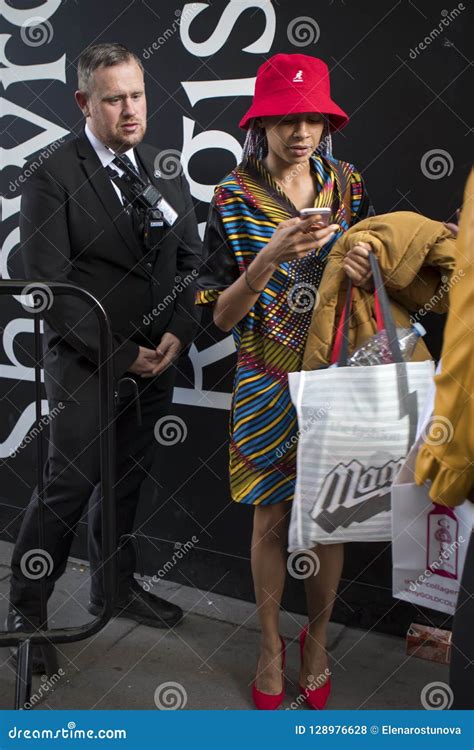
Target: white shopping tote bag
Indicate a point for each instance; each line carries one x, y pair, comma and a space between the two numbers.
356, 426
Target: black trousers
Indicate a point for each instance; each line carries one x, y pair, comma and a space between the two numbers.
72, 481
461, 675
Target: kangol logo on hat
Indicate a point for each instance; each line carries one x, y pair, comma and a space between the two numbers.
292, 84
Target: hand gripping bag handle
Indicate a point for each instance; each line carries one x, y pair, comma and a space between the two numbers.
383, 315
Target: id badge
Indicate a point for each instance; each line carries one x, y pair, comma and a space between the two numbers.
169, 214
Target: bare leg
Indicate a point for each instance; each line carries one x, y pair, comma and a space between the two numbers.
321, 592
268, 555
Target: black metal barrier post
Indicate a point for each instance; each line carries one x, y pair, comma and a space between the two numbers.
22, 639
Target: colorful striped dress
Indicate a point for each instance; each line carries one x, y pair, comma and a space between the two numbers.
247, 207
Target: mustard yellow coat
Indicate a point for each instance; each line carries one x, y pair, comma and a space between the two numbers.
417, 259
447, 457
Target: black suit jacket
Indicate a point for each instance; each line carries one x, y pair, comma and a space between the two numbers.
73, 228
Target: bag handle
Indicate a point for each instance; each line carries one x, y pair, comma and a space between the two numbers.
341, 340
385, 310
383, 315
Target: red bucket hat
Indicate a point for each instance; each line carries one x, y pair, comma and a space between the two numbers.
292, 84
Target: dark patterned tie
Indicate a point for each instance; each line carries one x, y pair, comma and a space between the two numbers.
128, 162
127, 206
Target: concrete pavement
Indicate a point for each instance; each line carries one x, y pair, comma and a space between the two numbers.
210, 657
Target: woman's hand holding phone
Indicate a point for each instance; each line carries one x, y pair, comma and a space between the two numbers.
321, 216
295, 238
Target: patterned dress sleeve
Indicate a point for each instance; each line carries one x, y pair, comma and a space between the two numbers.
361, 205
219, 267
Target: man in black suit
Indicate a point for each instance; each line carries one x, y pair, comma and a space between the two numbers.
77, 226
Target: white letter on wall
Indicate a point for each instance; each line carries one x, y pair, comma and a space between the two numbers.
208, 139
221, 33
16, 156
18, 16
13, 73
198, 90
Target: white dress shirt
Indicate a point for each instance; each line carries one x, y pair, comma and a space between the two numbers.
107, 156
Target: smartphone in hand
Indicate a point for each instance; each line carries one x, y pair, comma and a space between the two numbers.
322, 216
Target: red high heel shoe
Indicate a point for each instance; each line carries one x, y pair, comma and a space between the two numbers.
316, 697
266, 701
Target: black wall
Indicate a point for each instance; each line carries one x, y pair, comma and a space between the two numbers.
409, 135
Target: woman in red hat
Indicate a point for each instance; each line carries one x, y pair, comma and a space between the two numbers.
263, 264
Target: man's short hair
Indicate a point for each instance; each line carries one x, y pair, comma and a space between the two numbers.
101, 55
